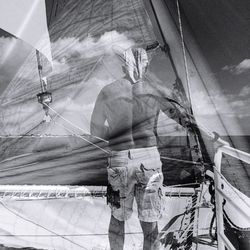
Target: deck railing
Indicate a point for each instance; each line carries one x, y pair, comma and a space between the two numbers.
220, 195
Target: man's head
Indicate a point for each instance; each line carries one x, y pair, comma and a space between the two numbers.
136, 63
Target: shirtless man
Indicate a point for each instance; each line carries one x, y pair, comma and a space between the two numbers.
125, 114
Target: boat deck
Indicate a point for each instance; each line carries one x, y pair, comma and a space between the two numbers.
82, 223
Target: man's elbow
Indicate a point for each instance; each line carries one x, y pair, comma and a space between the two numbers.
99, 131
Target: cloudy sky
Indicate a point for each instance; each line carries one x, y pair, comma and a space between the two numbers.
222, 31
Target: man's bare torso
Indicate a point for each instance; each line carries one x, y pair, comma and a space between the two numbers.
130, 113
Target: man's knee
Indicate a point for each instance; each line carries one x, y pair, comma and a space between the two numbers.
116, 225
149, 228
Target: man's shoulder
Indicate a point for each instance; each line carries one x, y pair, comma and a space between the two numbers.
157, 88
149, 87
115, 86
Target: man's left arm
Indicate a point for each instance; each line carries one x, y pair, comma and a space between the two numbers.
176, 112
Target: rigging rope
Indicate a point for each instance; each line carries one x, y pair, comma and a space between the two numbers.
197, 135
35, 136
65, 235
73, 125
206, 89
71, 131
183, 51
184, 161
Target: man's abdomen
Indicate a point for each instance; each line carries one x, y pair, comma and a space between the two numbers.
144, 138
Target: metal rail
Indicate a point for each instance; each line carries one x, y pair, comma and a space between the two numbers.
220, 195
36, 192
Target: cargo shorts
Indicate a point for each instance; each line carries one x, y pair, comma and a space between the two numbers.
136, 173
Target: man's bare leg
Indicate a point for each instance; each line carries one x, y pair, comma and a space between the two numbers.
150, 233
116, 234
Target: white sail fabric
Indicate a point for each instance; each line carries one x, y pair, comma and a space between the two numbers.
26, 19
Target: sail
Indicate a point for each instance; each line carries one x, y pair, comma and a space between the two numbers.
86, 47
85, 42
26, 20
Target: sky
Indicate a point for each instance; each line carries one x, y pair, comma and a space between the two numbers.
221, 28
222, 31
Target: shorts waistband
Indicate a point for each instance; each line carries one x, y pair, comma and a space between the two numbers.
135, 152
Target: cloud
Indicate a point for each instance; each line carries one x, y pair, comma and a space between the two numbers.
210, 104
59, 67
238, 103
225, 116
242, 67
232, 105
221, 103
70, 48
240, 107
202, 104
69, 53
65, 51
245, 91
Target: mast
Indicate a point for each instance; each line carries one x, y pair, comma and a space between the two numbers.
164, 45
170, 38
43, 84
44, 97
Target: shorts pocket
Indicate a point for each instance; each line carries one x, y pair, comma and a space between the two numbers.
117, 177
149, 178
150, 205
153, 163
